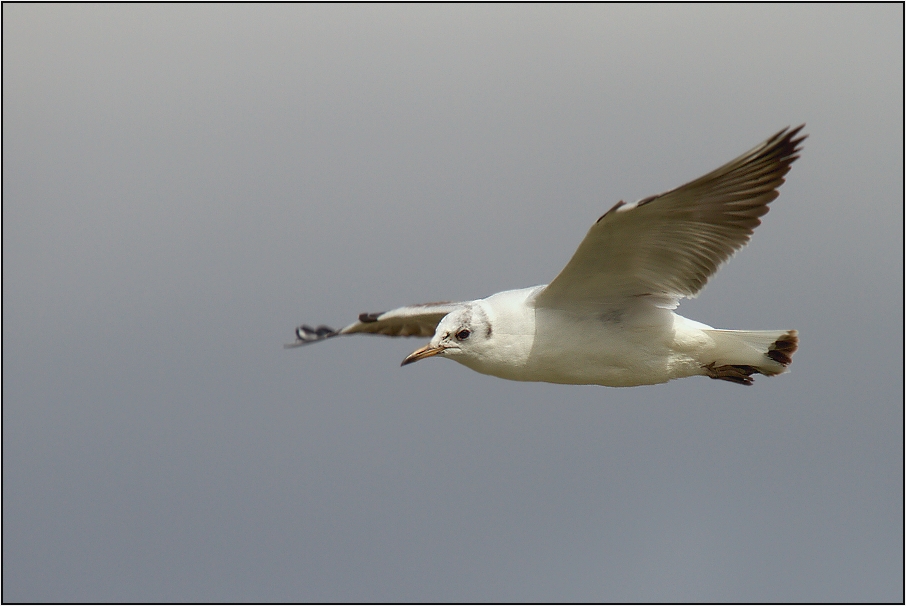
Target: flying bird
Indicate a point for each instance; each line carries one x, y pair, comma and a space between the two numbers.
607, 318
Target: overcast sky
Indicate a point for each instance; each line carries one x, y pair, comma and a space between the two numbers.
184, 184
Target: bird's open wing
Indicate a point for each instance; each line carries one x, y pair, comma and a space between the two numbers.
410, 321
667, 246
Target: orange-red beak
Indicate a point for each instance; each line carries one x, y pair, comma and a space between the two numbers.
420, 354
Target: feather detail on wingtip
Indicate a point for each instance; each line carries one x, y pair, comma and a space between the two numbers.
305, 334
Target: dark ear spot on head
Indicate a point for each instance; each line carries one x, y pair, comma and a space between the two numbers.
487, 333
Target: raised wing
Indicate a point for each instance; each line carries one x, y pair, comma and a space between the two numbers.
410, 321
667, 246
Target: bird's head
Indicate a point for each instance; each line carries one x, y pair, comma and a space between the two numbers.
460, 335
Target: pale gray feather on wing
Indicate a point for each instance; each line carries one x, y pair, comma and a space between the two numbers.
667, 246
418, 320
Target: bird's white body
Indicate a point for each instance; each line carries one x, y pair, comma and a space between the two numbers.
607, 318
635, 345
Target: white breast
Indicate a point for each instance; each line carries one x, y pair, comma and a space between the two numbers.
619, 347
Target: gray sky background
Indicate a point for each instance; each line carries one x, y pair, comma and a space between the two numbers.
183, 185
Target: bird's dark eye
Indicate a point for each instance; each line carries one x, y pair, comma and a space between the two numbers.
463, 334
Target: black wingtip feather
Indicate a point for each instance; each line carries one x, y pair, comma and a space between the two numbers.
305, 334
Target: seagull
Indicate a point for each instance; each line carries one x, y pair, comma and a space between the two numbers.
607, 318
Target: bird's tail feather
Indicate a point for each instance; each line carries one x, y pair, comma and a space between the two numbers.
738, 354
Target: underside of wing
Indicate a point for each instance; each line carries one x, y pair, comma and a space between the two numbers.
667, 246
410, 321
